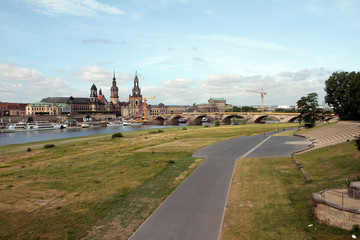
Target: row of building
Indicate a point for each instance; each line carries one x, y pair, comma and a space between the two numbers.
135, 107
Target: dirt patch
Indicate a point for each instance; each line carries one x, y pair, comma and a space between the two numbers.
116, 229
28, 202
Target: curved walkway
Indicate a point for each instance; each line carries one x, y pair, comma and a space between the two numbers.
333, 134
195, 209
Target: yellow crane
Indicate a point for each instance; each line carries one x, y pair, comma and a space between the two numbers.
144, 106
262, 97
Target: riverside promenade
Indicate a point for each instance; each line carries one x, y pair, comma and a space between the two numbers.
195, 210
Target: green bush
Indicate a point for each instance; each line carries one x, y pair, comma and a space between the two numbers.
355, 229
217, 123
357, 142
49, 146
184, 128
117, 135
29, 149
156, 131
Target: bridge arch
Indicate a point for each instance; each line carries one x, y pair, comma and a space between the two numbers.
291, 120
173, 120
227, 119
159, 120
195, 120
260, 119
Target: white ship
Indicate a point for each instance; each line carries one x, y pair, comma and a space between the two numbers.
132, 123
31, 126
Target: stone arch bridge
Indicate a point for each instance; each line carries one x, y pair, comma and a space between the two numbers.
223, 117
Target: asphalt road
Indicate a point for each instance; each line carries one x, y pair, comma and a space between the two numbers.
195, 210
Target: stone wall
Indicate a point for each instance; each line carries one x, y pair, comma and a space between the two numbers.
334, 214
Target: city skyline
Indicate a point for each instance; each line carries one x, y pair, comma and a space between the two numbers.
184, 51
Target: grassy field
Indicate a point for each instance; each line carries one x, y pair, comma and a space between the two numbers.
97, 187
269, 198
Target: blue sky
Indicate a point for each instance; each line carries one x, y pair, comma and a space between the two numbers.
184, 51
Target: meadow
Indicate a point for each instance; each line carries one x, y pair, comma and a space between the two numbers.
97, 187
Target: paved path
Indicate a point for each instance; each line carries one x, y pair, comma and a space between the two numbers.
195, 209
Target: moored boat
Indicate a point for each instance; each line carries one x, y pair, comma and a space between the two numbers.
31, 126
85, 125
132, 123
115, 124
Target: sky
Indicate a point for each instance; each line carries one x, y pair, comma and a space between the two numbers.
184, 51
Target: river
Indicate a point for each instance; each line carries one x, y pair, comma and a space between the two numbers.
37, 136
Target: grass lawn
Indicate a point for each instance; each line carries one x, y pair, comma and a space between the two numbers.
97, 187
269, 198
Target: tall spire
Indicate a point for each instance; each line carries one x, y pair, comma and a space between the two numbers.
136, 91
136, 80
114, 90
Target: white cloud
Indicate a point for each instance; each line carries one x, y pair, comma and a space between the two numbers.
99, 75
283, 88
179, 83
11, 72
73, 7
19, 84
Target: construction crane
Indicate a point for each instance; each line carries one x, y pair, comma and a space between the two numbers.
144, 106
262, 97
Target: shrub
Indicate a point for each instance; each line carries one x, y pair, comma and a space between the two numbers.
117, 135
355, 229
184, 128
357, 142
29, 149
156, 131
217, 123
49, 146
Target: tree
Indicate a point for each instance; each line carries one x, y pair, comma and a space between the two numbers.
343, 94
309, 111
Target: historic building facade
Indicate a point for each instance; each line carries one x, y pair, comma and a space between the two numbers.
41, 108
13, 109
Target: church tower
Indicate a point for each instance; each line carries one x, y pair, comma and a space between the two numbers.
114, 97
135, 99
93, 93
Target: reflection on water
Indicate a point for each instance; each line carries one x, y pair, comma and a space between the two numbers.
36, 136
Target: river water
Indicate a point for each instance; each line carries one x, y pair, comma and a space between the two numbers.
36, 136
